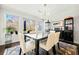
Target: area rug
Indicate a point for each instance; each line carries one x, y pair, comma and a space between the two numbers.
12, 51
16, 50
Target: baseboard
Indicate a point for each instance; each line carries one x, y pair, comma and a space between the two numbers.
10, 44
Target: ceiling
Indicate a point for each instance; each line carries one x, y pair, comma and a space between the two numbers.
51, 11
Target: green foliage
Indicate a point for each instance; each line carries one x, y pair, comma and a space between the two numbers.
10, 29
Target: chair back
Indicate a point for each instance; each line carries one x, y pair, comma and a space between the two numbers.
50, 40
22, 42
53, 38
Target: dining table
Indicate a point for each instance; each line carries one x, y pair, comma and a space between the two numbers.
37, 38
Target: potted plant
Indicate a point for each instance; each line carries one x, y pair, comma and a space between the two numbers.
10, 30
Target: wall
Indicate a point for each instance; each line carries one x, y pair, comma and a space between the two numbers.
2, 23
76, 29
62, 11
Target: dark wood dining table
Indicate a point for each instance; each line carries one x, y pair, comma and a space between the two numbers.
37, 38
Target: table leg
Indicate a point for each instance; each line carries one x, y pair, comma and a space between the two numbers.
20, 51
37, 47
25, 38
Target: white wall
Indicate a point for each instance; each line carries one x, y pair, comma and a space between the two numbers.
76, 29
63, 11
2, 23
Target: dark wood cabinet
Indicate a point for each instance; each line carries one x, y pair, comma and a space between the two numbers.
69, 29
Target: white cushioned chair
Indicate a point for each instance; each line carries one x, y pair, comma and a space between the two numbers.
25, 46
53, 39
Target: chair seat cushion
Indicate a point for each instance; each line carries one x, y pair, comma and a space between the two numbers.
43, 45
30, 45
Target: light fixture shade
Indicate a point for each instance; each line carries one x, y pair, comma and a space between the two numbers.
61, 23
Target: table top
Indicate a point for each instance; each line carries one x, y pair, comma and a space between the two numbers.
36, 36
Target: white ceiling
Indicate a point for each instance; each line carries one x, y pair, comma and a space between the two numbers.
52, 10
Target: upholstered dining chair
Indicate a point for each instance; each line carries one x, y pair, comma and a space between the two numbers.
25, 46
53, 39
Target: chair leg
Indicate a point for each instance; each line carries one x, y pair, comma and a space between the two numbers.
47, 53
54, 50
58, 45
20, 51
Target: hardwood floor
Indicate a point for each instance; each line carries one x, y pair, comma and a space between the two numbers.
3, 47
